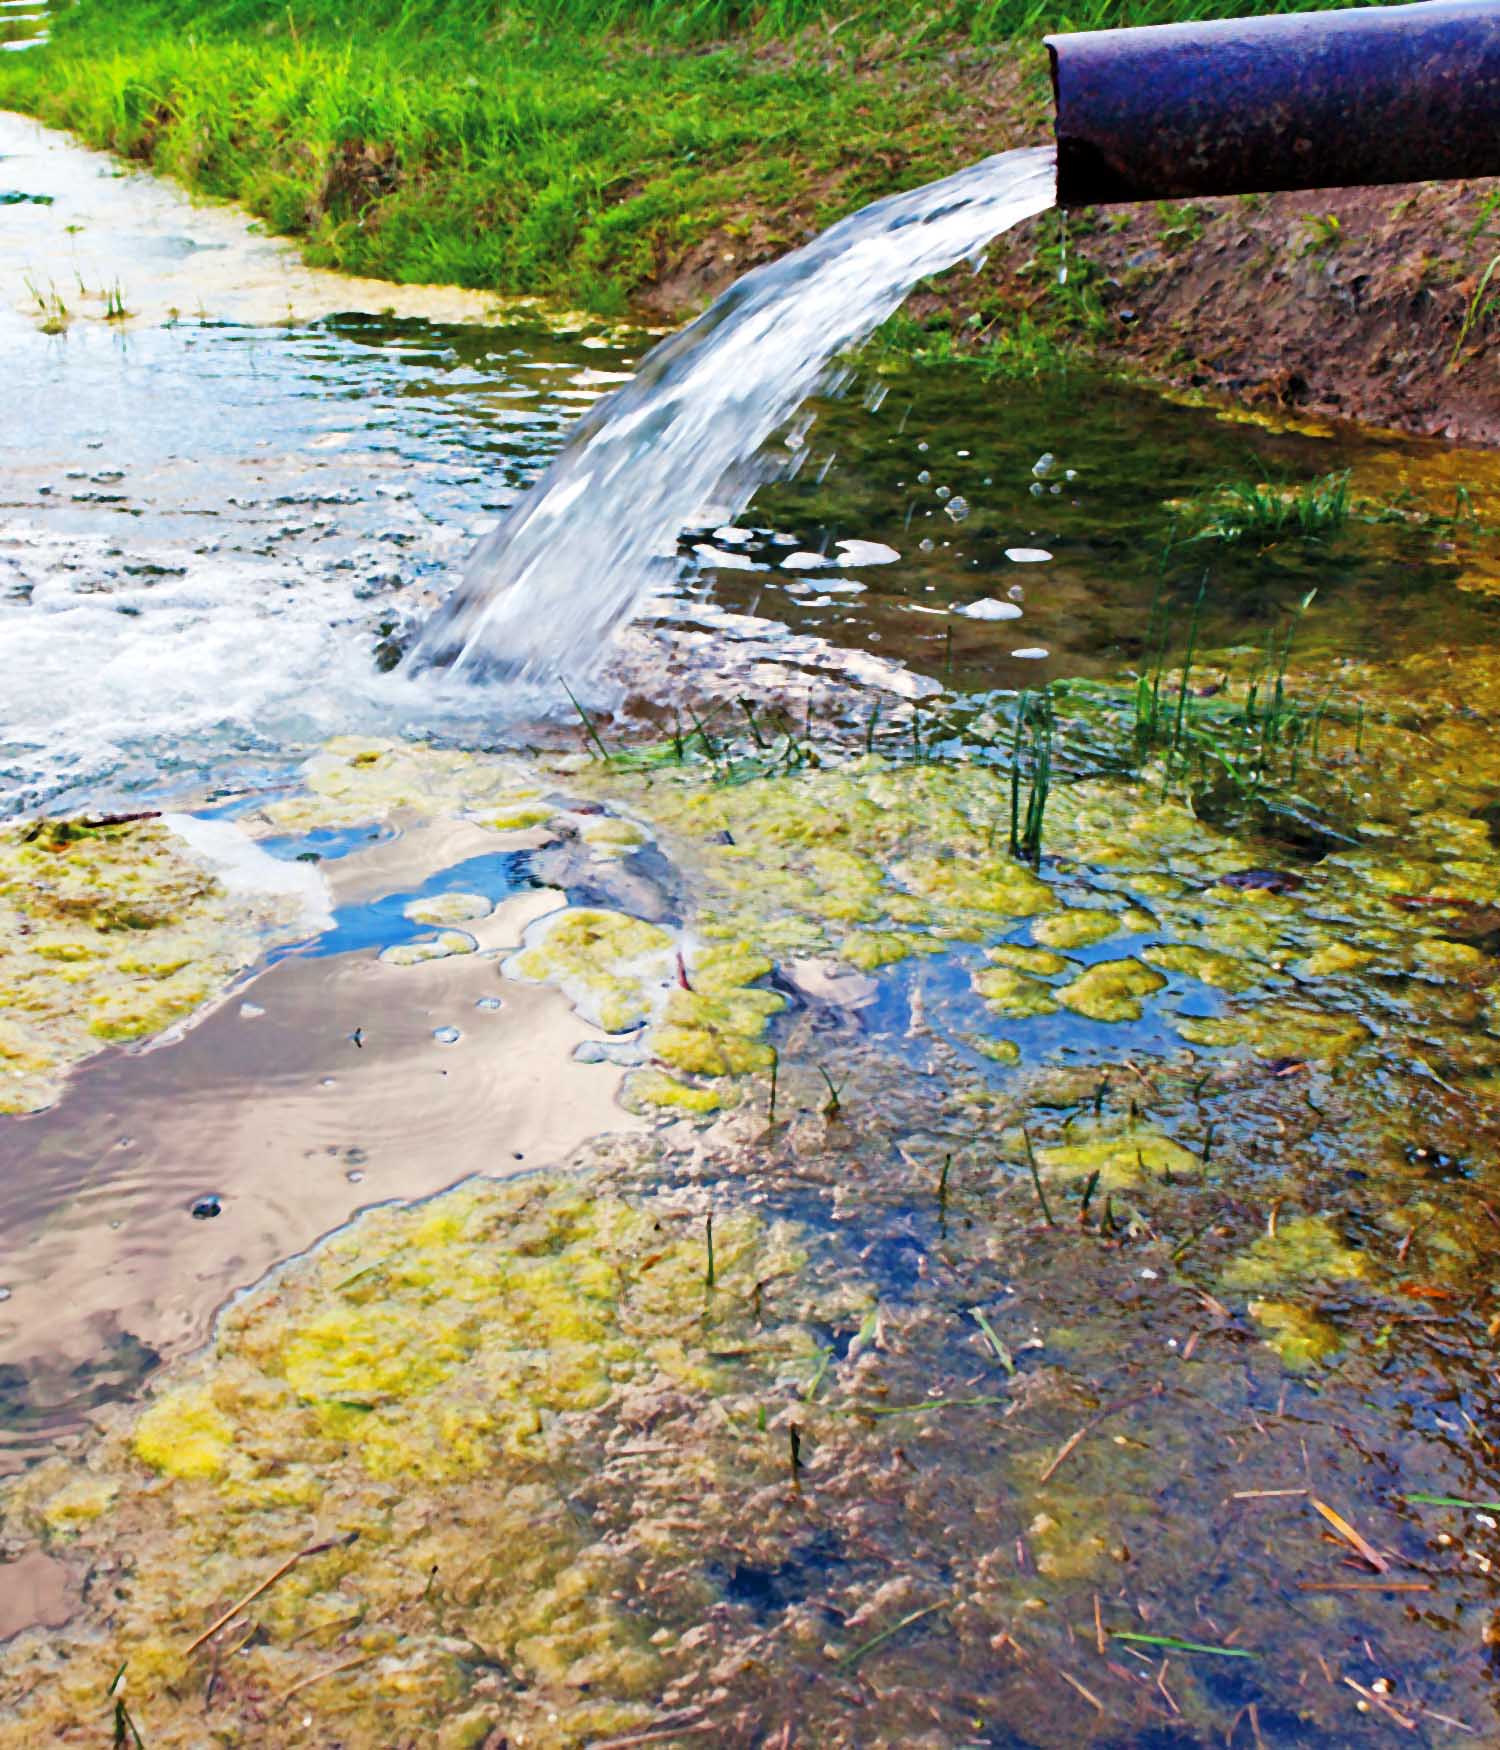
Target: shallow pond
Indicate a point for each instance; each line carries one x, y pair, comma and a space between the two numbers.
915, 1281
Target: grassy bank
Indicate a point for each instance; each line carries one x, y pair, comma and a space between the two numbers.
582, 149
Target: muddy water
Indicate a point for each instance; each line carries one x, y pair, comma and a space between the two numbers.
1090, 1222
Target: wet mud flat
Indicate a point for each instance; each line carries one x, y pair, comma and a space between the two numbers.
928, 1182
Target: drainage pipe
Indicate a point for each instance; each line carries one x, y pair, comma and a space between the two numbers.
1378, 94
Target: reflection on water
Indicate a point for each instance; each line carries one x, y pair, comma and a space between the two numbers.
167, 1179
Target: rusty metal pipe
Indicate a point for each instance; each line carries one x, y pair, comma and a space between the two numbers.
1304, 100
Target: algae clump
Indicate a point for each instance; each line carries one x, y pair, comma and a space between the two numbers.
1303, 1249
110, 933
1112, 990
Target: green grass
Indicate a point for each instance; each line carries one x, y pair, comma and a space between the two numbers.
1255, 514
571, 148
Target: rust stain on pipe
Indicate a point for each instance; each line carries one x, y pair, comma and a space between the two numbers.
1308, 100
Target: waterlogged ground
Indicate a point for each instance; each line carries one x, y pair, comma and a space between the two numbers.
836, 1206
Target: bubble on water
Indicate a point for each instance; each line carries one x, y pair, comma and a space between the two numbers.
957, 508
206, 1208
925, 544
1027, 555
1016, 592
4, 1293
354, 1176
1030, 652
945, 492
1037, 489
1070, 474
961, 452
1056, 491
488, 1003
922, 446
989, 609
923, 478
1044, 465
251, 1011
447, 1035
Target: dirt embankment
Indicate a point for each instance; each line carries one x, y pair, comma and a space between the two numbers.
1381, 305
1378, 304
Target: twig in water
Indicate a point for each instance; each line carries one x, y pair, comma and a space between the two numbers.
313, 1549
1087, 1694
1071, 1444
1378, 1700
318, 1676
1361, 1545
669, 1726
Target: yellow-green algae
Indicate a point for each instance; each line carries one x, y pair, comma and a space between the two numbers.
1302, 1249
1207, 965
356, 779
1040, 962
707, 1014
437, 947
426, 1391
1120, 1152
1014, 994
448, 908
1075, 929
611, 966
108, 934
1299, 1337
1278, 1030
1111, 990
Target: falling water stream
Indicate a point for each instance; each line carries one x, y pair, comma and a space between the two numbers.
685, 439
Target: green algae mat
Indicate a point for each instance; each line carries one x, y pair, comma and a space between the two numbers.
1043, 1299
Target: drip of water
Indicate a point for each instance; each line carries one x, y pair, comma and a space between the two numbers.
575, 557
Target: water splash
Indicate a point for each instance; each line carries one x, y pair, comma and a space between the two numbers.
684, 440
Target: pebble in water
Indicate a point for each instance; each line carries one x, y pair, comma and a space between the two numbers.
488, 1003
4, 1294
1027, 555
206, 1208
447, 1035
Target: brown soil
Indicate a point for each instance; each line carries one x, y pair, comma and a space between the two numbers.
1348, 302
